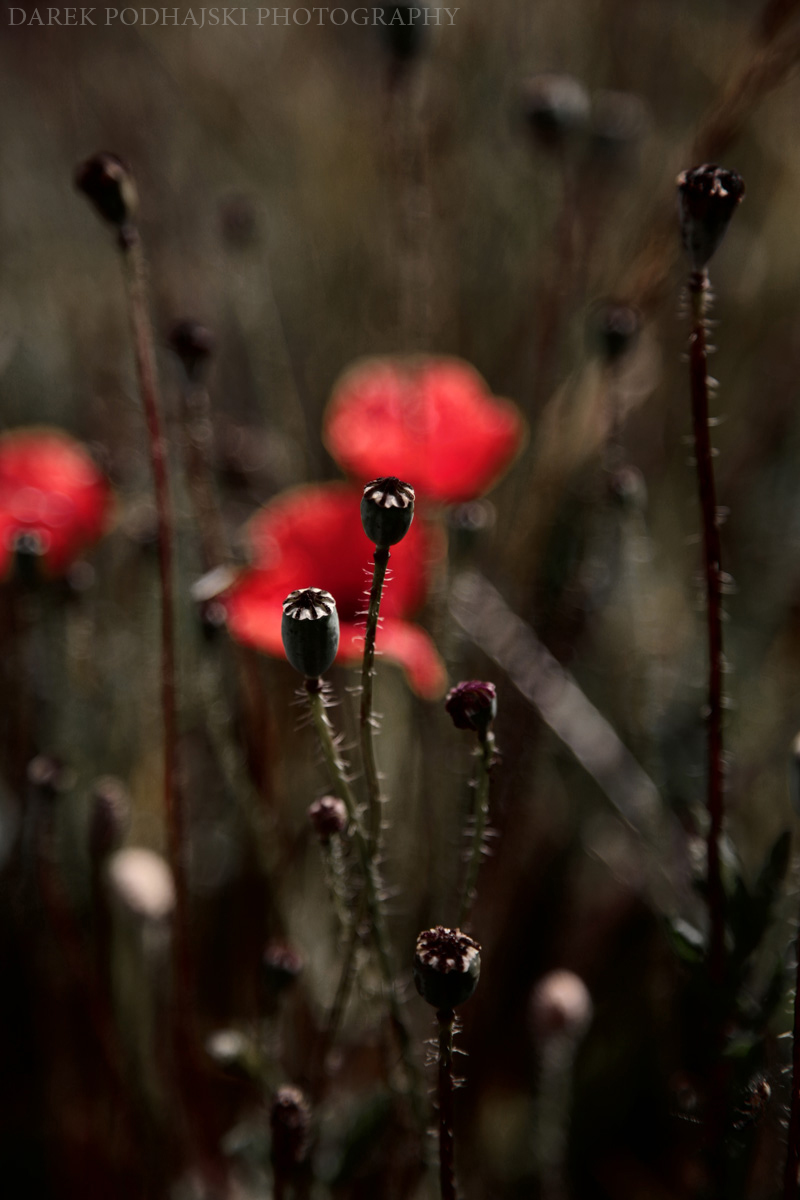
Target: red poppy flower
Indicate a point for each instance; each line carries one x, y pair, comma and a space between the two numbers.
312, 537
431, 421
50, 490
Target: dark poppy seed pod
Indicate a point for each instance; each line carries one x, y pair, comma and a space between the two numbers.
472, 705
107, 182
280, 967
328, 815
387, 510
310, 631
109, 817
402, 31
194, 345
447, 964
290, 1122
556, 109
707, 198
615, 328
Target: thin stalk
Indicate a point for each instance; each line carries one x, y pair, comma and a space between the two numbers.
485, 760
372, 889
790, 1180
136, 284
371, 778
698, 373
447, 1180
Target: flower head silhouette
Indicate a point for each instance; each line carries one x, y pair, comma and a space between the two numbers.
312, 536
432, 421
54, 501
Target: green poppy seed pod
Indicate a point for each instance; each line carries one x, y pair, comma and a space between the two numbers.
387, 510
447, 964
310, 631
107, 182
707, 198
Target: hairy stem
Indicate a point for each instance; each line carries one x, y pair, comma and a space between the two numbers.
485, 760
372, 780
372, 889
698, 372
136, 282
447, 1180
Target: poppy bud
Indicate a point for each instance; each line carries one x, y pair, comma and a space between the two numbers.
194, 344
472, 705
387, 510
328, 815
556, 109
310, 630
109, 817
707, 197
280, 966
106, 181
447, 964
290, 1122
402, 31
616, 328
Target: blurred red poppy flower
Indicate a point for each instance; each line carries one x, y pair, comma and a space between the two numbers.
432, 421
312, 537
54, 501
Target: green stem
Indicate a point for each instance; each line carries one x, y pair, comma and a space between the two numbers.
447, 1181
487, 752
372, 780
372, 889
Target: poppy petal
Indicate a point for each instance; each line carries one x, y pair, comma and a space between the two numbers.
430, 421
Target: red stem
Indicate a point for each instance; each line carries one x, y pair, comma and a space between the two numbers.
136, 279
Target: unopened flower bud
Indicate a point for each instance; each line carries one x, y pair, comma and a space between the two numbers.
560, 1005
447, 965
387, 510
472, 705
107, 182
616, 328
310, 631
194, 345
707, 198
328, 815
290, 1122
109, 817
143, 882
556, 109
280, 967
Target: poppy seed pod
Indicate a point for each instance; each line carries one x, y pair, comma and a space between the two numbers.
387, 510
556, 109
107, 182
194, 345
310, 631
707, 198
328, 815
472, 705
447, 964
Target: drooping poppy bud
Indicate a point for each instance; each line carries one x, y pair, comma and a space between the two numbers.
387, 510
472, 705
310, 631
707, 198
107, 182
328, 815
447, 964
